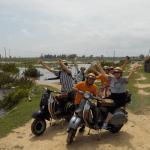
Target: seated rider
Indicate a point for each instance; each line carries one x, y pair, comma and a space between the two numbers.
66, 80
79, 102
81, 74
118, 89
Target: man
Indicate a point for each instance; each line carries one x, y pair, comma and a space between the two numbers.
66, 80
81, 74
79, 102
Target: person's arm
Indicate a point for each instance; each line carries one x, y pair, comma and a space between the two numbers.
93, 69
76, 64
101, 70
48, 68
131, 74
125, 63
89, 68
63, 66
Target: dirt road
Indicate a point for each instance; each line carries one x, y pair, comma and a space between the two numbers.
135, 135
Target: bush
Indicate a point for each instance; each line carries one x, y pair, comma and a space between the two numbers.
31, 71
10, 68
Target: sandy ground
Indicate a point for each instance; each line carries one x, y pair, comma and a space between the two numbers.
135, 135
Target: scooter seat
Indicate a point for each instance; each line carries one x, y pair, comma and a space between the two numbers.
106, 102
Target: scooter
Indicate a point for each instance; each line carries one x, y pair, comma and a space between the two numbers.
85, 117
50, 109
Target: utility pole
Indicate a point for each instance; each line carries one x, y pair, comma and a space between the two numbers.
5, 55
9, 53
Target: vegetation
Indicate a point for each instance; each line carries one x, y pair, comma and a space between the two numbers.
21, 90
22, 113
11, 67
31, 71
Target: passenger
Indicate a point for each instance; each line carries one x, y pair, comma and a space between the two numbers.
118, 89
81, 74
66, 79
79, 102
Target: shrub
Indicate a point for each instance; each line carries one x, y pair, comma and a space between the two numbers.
31, 71
10, 68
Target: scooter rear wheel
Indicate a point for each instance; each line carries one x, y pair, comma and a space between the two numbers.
71, 135
38, 126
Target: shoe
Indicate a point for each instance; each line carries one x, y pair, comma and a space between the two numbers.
68, 130
126, 113
82, 128
104, 126
96, 127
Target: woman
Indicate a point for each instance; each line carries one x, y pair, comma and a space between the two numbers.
118, 89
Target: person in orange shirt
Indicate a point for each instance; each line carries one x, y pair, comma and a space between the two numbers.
79, 102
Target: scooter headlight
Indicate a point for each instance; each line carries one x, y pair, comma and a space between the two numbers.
87, 95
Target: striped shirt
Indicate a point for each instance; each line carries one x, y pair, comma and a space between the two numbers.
65, 80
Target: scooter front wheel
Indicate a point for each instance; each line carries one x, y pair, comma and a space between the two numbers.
71, 135
38, 127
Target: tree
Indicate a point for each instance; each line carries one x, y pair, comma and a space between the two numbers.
141, 56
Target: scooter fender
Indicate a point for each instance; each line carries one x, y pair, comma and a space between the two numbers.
118, 118
75, 122
39, 114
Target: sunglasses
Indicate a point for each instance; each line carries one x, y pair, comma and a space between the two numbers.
116, 72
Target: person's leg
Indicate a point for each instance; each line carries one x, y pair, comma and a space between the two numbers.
95, 115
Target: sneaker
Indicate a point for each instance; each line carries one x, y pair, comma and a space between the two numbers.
68, 130
96, 127
82, 128
104, 126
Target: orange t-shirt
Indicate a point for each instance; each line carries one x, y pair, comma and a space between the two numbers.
81, 86
103, 79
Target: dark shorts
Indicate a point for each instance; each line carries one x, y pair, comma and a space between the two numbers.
119, 101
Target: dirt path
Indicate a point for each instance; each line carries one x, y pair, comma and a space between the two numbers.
135, 135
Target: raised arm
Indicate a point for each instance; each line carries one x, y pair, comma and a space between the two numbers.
48, 68
92, 68
101, 70
76, 64
89, 68
132, 72
63, 66
127, 59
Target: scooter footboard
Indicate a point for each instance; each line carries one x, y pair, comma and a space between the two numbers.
118, 118
75, 122
39, 114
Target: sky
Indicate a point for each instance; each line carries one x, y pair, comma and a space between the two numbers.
29, 28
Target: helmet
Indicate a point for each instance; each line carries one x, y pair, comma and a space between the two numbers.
64, 62
106, 67
117, 69
82, 67
91, 75
111, 68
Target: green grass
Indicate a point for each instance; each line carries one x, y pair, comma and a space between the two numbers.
22, 112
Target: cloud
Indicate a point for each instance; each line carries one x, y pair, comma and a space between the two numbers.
24, 32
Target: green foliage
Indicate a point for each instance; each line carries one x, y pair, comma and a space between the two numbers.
31, 71
11, 67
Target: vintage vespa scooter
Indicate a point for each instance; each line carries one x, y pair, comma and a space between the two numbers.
51, 109
85, 117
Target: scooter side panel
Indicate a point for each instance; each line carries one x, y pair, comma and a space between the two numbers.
118, 118
39, 114
75, 122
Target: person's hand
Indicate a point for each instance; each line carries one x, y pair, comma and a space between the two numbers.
135, 69
74, 89
46, 79
127, 58
92, 64
75, 58
59, 61
40, 61
98, 64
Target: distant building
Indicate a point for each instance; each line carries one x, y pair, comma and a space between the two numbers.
147, 65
